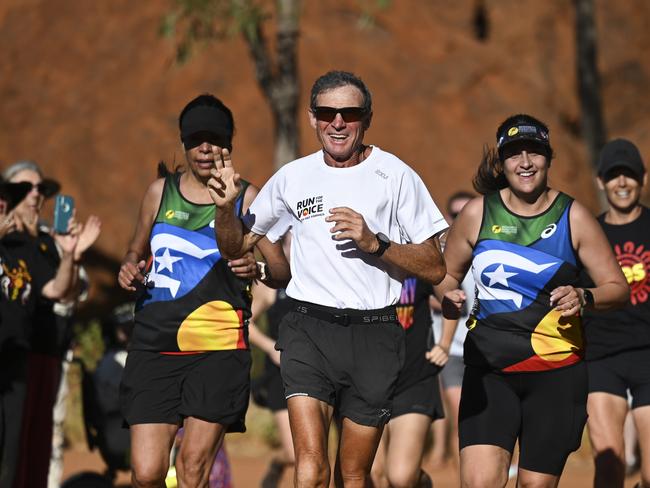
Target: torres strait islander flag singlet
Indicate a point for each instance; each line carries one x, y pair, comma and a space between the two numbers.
517, 262
194, 302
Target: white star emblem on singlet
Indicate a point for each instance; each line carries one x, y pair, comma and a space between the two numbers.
500, 275
166, 261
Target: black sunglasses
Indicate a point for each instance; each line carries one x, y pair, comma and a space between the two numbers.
349, 114
41, 188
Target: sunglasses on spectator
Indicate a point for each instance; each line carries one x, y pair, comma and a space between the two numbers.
41, 188
349, 114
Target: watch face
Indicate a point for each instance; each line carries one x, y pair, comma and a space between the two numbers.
589, 297
383, 238
384, 243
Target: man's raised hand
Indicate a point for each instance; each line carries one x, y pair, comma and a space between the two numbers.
224, 185
351, 225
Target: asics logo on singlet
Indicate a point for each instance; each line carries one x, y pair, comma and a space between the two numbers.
548, 231
310, 207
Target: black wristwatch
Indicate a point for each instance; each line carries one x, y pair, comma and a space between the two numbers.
384, 243
588, 298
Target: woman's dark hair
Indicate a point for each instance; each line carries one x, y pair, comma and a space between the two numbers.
489, 176
162, 171
335, 79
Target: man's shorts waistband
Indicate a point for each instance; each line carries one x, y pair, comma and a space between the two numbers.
347, 316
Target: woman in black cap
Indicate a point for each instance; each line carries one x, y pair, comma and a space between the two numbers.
52, 321
25, 278
524, 379
618, 352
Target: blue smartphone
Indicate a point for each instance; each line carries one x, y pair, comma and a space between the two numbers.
63, 208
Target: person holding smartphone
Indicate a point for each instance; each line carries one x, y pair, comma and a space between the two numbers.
51, 328
26, 277
189, 358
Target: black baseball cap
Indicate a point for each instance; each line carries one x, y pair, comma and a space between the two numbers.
523, 128
621, 153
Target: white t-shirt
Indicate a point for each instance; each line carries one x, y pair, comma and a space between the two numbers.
392, 199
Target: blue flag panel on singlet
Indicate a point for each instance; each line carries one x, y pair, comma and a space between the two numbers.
509, 276
177, 253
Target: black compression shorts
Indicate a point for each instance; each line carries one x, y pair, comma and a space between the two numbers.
212, 386
619, 372
546, 411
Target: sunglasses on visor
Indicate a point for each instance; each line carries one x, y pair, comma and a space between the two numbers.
349, 114
41, 188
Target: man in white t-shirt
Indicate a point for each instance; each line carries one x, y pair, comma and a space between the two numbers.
361, 219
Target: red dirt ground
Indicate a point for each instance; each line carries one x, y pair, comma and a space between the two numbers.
247, 470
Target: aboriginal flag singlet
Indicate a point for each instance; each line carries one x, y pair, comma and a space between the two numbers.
194, 303
517, 262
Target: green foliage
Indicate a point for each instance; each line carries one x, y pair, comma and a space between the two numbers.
89, 348
73, 426
90, 345
200, 21
369, 11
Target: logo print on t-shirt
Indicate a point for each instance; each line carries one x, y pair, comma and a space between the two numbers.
310, 207
16, 282
634, 262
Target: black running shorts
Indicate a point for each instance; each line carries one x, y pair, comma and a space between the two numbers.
422, 397
619, 372
545, 410
268, 390
161, 388
353, 367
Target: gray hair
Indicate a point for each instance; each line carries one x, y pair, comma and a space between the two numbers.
19, 166
336, 79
